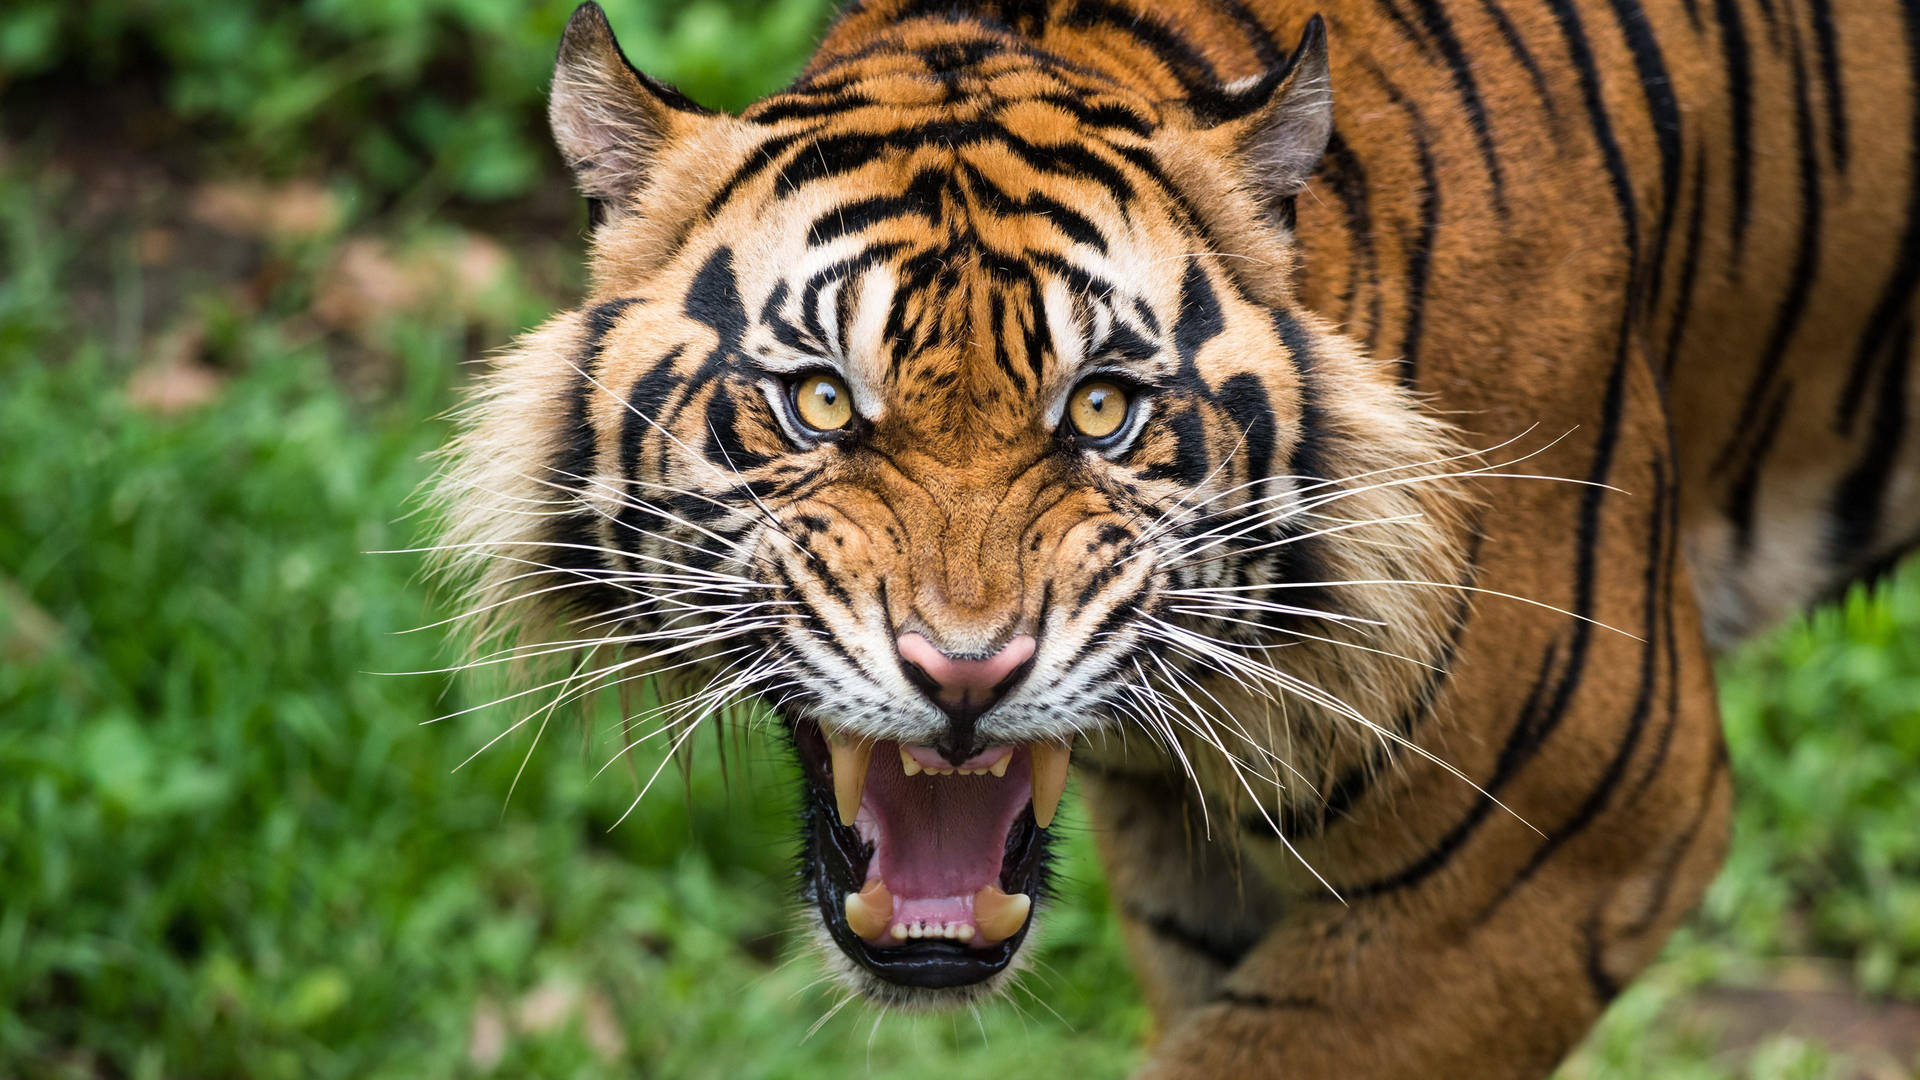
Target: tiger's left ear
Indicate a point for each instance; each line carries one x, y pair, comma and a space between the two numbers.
612, 121
1278, 124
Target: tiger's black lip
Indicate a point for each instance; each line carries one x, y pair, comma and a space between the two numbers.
833, 863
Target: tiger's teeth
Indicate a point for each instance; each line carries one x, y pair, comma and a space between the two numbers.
850, 758
999, 768
999, 915
869, 910
949, 931
1049, 779
907, 764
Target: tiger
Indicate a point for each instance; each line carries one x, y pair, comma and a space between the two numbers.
1336, 437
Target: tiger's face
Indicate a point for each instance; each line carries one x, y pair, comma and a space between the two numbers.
923, 403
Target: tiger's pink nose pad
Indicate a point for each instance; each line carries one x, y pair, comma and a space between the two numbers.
964, 688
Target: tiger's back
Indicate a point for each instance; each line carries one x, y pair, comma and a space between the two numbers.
1732, 185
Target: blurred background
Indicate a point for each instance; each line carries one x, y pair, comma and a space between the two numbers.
246, 253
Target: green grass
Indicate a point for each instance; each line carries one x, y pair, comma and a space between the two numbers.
228, 849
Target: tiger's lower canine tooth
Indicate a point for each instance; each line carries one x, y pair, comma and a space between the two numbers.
998, 915
849, 773
1049, 779
870, 909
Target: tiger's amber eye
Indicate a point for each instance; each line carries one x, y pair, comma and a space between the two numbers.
1097, 409
823, 402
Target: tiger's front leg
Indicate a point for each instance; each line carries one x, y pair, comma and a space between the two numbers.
1442, 981
1399, 988
1466, 941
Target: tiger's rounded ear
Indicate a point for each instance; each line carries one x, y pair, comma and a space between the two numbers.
1279, 123
610, 120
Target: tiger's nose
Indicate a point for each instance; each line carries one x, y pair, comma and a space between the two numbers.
964, 687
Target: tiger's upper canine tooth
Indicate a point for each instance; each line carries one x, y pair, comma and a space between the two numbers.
850, 758
998, 915
1049, 779
870, 909
907, 764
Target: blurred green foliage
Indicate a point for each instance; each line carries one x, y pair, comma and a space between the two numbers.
445, 95
1823, 724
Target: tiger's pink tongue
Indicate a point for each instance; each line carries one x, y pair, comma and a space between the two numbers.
939, 835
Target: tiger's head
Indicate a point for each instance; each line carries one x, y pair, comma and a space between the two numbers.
957, 404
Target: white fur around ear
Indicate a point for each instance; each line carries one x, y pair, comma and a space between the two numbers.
609, 120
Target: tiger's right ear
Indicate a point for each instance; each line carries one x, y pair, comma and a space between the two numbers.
611, 121
1275, 127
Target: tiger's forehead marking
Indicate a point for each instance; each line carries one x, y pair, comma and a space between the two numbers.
961, 229
955, 285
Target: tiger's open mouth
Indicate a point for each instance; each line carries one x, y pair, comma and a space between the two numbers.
925, 871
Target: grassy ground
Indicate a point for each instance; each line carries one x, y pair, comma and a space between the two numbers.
229, 848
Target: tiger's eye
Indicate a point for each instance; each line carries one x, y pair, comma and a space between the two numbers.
1097, 409
823, 402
